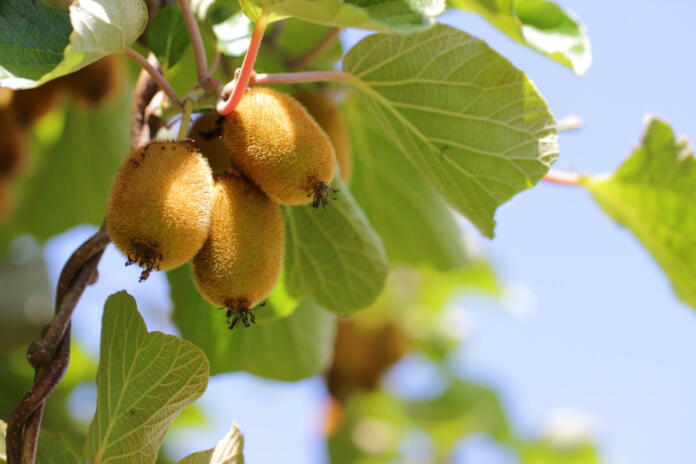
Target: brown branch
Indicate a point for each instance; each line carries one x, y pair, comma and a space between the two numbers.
156, 75
145, 90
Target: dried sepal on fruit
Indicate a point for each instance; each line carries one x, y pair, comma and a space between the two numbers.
206, 134
241, 261
326, 114
280, 147
160, 205
96, 83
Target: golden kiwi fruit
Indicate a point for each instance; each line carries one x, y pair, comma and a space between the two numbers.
206, 136
327, 115
160, 205
276, 143
241, 261
96, 83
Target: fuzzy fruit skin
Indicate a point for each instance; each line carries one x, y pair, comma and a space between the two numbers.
241, 261
202, 132
96, 83
327, 115
280, 147
160, 205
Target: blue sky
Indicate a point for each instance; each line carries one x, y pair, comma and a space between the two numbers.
606, 334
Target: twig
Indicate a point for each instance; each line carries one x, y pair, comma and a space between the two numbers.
239, 85
156, 76
300, 77
145, 90
563, 177
198, 48
185, 119
50, 355
216, 62
324, 43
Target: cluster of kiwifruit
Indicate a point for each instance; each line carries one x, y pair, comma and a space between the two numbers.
91, 86
214, 198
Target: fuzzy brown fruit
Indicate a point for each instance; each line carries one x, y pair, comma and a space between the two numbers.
327, 115
205, 135
280, 147
31, 104
160, 205
97, 83
241, 261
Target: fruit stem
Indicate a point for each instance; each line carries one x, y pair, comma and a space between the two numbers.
156, 76
240, 84
320, 47
563, 177
197, 41
185, 119
300, 77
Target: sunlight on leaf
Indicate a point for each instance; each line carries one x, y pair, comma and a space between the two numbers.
229, 450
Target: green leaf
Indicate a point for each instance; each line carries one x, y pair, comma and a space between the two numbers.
214, 11
54, 449
72, 179
333, 255
144, 380
653, 195
547, 452
99, 28
540, 25
289, 348
3, 434
411, 218
167, 35
233, 35
29, 56
471, 123
229, 450
401, 16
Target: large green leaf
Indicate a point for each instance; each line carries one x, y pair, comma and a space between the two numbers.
413, 221
471, 123
402, 16
653, 194
167, 35
55, 450
229, 450
144, 380
73, 176
539, 24
333, 255
99, 28
288, 348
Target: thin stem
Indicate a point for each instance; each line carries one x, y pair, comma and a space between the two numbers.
216, 62
563, 177
185, 119
316, 51
240, 84
156, 76
198, 48
300, 77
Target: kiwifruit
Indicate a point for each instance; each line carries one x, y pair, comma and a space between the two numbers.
30, 105
327, 115
206, 135
96, 83
241, 261
280, 147
160, 205
12, 144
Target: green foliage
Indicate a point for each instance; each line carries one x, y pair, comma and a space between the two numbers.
233, 34
229, 450
468, 120
214, 11
27, 57
402, 16
539, 24
167, 37
333, 255
653, 195
144, 380
99, 28
411, 218
71, 185
289, 348
547, 452
53, 449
